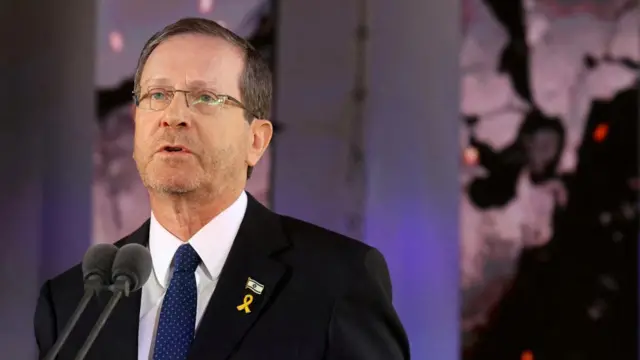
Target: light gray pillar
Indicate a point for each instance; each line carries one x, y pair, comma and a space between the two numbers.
316, 63
47, 111
409, 135
412, 159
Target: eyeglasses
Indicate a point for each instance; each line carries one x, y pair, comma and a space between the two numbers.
202, 101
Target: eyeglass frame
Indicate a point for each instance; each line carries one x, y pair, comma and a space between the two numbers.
225, 98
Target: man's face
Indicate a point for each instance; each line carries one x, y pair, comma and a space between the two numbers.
217, 146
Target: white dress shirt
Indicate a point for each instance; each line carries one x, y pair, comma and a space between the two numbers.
212, 243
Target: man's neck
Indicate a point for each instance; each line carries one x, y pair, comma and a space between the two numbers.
183, 215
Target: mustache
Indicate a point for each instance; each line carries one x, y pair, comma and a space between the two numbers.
177, 139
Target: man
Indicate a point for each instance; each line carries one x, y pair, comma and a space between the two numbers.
284, 289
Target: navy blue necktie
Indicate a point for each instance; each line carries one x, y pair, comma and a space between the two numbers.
176, 327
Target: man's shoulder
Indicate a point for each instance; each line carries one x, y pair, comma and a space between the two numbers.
331, 260
71, 275
308, 236
67, 286
319, 248
71, 280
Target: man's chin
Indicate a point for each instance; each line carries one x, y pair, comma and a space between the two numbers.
174, 190
173, 187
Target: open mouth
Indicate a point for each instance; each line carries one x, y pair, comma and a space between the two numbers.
175, 149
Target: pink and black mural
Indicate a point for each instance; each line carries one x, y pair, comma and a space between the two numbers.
549, 174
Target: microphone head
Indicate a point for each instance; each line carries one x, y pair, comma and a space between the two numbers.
98, 261
132, 262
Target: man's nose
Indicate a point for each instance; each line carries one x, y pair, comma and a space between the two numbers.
177, 114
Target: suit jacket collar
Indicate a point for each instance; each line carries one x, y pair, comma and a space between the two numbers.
225, 320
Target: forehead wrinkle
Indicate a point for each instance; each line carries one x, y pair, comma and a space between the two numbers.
201, 84
204, 64
159, 80
207, 72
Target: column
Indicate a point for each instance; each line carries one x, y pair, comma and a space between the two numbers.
47, 109
313, 174
412, 159
408, 136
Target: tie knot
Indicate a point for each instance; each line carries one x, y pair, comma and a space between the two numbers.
186, 259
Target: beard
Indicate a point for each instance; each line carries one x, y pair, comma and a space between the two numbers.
189, 174
171, 176
202, 171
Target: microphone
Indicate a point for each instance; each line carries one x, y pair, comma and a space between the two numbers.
131, 269
96, 273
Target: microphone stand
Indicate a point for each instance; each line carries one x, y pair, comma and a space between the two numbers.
92, 286
119, 288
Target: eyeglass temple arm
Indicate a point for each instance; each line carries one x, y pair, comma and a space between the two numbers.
136, 99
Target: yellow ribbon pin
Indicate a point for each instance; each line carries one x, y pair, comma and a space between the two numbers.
248, 299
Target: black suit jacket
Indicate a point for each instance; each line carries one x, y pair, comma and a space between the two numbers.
325, 297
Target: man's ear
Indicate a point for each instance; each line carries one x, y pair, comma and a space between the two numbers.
261, 132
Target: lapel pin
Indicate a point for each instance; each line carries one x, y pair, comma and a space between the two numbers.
254, 286
248, 299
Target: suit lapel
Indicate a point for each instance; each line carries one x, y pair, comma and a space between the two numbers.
235, 306
122, 326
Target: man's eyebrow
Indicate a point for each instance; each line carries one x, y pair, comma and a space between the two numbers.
156, 80
196, 84
202, 84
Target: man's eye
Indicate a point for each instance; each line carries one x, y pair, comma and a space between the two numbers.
157, 96
208, 99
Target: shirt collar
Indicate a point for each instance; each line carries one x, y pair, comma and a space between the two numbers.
212, 243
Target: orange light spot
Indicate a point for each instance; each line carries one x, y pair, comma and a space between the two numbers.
470, 156
526, 355
601, 132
